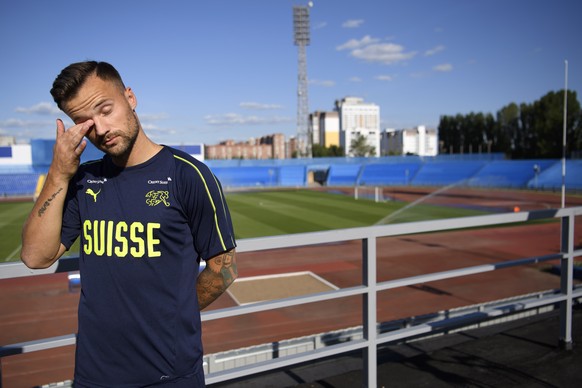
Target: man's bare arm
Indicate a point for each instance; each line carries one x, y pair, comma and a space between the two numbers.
41, 243
219, 274
41, 234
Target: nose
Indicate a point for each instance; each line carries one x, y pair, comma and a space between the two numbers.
99, 127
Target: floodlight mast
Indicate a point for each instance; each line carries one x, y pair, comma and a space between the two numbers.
301, 34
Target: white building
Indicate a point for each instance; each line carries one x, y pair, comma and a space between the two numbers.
358, 118
419, 141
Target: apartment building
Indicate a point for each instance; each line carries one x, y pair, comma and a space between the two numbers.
356, 118
266, 147
419, 141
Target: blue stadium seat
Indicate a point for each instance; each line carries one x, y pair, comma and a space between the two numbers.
388, 174
292, 176
551, 177
343, 174
18, 184
446, 173
508, 173
247, 176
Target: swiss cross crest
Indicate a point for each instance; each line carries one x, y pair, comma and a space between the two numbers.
155, 197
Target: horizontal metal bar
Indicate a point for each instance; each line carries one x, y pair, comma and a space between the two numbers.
18, 269
434, 276
281, 303
534, 302
473, 317
13, 270
34, 346
406, 228
276, 363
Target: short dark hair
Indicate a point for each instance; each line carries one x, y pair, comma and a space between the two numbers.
69, 81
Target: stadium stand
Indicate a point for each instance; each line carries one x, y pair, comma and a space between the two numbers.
343, 174
446, 173
388, 174
292, 176
247, 176
261, 176
551, 178
18, 184
508, 173
19, 178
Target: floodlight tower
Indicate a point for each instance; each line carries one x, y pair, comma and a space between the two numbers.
301, 33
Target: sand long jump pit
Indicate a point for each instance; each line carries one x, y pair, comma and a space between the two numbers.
271, 287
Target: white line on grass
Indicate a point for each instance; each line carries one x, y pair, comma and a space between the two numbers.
14, 252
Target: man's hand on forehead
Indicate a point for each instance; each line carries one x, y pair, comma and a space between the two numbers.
69, 146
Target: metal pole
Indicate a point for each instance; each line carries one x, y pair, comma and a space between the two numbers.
370, 358
564, 135
566, 281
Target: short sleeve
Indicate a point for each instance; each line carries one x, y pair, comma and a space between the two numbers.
71, 226
207, 210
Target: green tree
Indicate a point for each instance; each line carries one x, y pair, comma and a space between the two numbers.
320, 151
359, 147
335, 150
548, 124
521, 131
507, 128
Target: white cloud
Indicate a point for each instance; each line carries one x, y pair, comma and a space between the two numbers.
153, 116
42, 108
353, 23
150, 127
320, 25
386, 53
354, 43
434, 50
236, 119
355, 79
324, 83
259, 106
445, 67
384, 78
19, 124
372, 50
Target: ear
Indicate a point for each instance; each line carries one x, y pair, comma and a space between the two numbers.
131, 99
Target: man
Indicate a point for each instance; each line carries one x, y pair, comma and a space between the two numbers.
146, 215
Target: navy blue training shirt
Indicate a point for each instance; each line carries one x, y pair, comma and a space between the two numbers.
144, 230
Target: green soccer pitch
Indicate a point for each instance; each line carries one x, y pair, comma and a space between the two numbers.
269, 213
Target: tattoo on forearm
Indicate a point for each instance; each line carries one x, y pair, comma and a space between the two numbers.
215, 280
47, 203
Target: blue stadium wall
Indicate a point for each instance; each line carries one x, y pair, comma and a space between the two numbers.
18, 179
472, 170
464, 170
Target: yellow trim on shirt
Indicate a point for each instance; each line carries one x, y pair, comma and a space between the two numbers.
209, 197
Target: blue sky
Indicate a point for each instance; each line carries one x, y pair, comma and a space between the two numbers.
227, 69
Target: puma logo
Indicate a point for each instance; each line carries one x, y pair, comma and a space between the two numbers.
93, 194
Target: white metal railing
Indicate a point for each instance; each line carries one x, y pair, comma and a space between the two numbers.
368, 288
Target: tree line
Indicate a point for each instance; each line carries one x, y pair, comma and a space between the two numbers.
520, 131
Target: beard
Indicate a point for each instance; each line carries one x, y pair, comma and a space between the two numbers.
124, 140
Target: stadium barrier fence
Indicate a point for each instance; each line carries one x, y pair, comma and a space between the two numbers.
372, 334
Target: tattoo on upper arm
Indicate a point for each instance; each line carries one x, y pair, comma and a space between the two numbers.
226, 263
228, 267
47, 203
